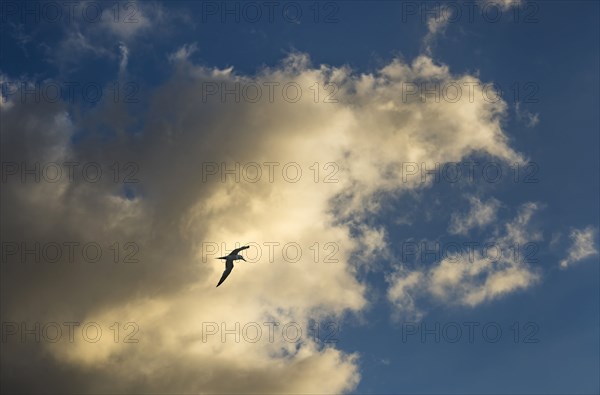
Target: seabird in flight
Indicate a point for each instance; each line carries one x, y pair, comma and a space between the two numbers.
233, 255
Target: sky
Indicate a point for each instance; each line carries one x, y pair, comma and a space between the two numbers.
418, 183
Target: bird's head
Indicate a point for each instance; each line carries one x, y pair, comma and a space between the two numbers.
242, 258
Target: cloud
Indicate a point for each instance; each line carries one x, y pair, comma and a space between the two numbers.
174, 211
473, 276
124, 58
584, 246
184, 52
503, 4
403, 285
130, 20
435, 26
17, 31
480, 215
528, 117
100, 32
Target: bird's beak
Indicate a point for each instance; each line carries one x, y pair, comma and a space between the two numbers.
244, 259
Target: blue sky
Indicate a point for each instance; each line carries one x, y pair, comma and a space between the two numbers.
550, 55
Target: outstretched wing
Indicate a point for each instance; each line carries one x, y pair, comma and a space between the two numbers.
237, 250
228, 269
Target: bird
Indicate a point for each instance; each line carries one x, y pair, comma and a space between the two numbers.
233, 255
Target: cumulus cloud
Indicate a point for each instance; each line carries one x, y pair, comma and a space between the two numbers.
583, 246
479, 215
473, 276
176, 210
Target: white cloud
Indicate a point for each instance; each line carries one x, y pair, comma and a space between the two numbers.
530, 119
518, 231
403, 285
368, 133
480, 215
503, 4
104, 35
584, 246
435, 26
474, 276
128, 20
184, 52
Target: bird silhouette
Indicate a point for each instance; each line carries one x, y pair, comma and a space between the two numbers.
233, 255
